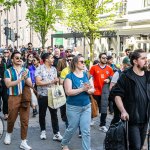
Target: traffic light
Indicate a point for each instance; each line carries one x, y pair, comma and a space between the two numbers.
16, 36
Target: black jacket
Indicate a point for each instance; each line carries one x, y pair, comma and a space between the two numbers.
126, 89
8, 63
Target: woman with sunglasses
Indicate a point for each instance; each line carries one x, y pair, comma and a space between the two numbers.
78, 107
30, 65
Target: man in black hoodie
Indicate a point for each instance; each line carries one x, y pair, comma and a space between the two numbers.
132, 97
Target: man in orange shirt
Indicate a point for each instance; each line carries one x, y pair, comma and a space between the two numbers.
101, 73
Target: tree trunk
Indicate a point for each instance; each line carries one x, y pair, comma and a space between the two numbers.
91, 44
43, 40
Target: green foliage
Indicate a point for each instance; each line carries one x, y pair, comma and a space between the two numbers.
87, 16
7, 4
87, 63
42, 16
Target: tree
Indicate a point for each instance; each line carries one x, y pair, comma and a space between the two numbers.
7, 4
42, 16
86, 16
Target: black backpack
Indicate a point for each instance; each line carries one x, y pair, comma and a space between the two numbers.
117, 136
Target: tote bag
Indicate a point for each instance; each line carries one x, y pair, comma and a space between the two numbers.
56, 96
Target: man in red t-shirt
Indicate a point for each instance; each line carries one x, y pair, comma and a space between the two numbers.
101, 74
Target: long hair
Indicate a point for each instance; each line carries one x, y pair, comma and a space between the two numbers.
135, 55
74, 62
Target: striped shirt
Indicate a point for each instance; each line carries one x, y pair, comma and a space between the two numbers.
14, 75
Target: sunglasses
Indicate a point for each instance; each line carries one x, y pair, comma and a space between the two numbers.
34, 60
68, 52
18, 58
104, 57
69, 60
82, 62
6, 52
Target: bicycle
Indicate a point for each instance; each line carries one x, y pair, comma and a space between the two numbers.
1, 127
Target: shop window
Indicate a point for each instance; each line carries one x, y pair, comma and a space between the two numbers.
139, 45
145, 46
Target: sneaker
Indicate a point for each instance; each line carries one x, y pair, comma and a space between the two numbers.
103, 128
24, 145
43, 135
5, 116
65, 148
7, 139
57, 137
80, 136
34, 112
92, 123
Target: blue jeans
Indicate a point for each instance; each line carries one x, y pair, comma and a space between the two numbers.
78, 116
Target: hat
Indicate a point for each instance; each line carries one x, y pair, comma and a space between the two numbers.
126, 60
109, 57
5, 51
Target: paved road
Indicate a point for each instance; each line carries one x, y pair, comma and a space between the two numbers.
97, 136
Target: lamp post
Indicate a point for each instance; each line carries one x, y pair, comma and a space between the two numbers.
17, 23
7, 28
0, 28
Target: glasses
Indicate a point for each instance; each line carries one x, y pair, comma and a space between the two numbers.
30, 56
34, 60
82, 62
18, 58
6, 52
104, 57
68, 52
69, 60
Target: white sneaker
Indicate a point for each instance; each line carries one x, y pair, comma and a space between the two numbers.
7, 139
24, 145
103, 128
43, 135
92, 123
57, 137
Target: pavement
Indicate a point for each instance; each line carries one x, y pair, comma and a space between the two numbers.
97, 137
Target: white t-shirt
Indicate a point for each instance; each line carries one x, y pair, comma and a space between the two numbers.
75, 53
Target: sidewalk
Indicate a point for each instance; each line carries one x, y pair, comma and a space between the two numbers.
34, 141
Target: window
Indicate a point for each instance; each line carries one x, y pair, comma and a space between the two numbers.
146, 3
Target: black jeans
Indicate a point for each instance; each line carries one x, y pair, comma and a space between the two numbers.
43, 104
137, 134
103, 115
4, 97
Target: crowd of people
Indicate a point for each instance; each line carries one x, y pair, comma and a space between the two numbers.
128, 86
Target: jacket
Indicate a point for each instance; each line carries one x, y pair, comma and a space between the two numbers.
126, 89
104, 98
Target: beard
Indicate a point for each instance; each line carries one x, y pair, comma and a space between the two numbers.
144, 68
103, 62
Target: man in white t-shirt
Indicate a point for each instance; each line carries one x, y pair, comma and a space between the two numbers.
75, 52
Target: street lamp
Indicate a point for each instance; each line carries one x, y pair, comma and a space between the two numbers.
19, 2
0, 28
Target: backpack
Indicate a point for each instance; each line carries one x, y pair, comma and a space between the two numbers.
117, 136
